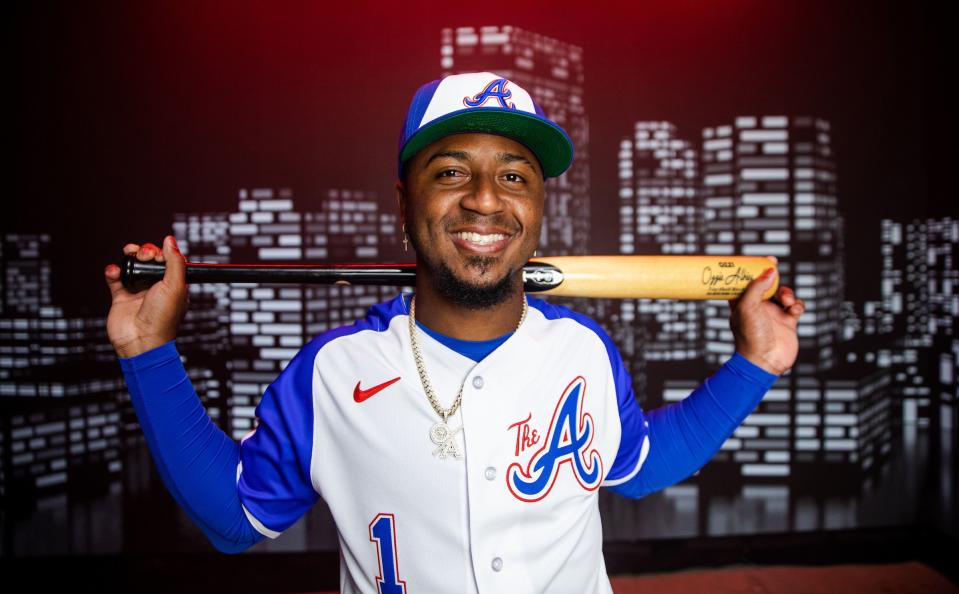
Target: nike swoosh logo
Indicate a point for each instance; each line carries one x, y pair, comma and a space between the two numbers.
361, 395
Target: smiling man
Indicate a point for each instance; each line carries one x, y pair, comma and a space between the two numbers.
468, 425
473, 206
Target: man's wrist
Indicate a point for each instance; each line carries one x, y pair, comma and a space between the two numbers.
761, 362
138, 346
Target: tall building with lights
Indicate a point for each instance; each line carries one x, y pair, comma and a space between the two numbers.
61, 398
552, 71
769, 188
920, 281
25, 274
659, 214
917, 313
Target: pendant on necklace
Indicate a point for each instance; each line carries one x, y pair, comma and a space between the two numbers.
444, 438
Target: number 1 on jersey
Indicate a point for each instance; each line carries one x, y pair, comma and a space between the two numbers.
383, 533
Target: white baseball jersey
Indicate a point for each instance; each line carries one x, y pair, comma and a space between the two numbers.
508, 504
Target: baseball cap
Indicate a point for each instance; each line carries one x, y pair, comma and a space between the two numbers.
483, 102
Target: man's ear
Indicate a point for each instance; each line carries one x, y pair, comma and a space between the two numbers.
401, 200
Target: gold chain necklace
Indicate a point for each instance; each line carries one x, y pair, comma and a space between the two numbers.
440, 433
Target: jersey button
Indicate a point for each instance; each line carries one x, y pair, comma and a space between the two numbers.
478, 382
490, 473
497, 564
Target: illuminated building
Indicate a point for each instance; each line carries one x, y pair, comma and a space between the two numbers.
659, 214
61, 396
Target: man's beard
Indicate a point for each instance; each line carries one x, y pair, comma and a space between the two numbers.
469, 295
457, 290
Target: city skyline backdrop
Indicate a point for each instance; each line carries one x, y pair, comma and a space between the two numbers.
878, 346
154, 110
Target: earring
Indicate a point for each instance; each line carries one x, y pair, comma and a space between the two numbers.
406, 239
535, 253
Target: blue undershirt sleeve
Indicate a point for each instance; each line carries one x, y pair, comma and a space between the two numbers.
685, 435
196, 460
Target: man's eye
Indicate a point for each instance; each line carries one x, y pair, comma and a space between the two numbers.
448, 173
514, 177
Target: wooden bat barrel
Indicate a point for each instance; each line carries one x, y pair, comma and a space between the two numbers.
657, 277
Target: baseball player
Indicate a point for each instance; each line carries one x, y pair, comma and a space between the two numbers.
460, 434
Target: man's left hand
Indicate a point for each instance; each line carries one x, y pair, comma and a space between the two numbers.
765, 331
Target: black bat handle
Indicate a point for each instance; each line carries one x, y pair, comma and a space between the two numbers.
137, 276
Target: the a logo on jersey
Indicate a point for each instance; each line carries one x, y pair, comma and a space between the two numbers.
496, 91
566, 443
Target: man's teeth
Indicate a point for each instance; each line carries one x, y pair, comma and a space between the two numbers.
479, 238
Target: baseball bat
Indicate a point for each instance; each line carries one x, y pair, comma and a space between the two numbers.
616, 277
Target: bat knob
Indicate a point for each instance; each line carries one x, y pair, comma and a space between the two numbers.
137, 276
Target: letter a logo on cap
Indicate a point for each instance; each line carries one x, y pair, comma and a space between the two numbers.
495, 90
449, 106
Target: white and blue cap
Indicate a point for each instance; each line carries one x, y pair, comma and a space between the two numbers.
483, 102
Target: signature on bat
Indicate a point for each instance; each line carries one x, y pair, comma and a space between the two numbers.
722, 277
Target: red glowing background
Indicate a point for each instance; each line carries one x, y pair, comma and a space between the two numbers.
128, 112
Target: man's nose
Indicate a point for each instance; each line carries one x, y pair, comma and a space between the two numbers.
483, 195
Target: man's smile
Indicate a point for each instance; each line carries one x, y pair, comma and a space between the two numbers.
480, 240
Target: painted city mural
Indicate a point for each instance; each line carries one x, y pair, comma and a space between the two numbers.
874, 376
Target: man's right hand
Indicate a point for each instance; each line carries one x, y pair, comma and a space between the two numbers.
139, 322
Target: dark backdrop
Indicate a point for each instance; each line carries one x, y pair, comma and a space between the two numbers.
126, 113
